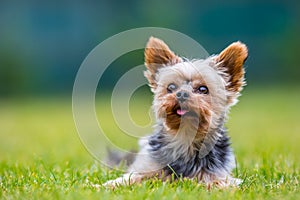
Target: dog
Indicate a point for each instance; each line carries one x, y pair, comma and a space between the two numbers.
192, 99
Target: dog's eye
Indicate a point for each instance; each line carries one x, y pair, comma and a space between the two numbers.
203, 90
171, 87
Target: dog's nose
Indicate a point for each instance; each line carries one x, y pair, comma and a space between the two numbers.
182, 96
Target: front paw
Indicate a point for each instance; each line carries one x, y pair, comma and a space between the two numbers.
225, 183
235, 181
115, 183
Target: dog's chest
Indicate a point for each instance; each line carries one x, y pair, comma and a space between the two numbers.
186, 159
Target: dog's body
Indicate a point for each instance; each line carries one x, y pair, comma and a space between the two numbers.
191, 102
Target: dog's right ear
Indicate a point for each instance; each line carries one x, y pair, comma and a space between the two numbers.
157, 55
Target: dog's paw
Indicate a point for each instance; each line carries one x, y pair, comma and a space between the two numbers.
224, 183
109, 184
235, 181
126, 179
115, 183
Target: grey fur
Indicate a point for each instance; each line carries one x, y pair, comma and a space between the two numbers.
190, 162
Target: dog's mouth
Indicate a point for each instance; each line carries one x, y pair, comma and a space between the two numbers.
183, 111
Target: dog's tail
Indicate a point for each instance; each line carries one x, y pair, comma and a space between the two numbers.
120, 159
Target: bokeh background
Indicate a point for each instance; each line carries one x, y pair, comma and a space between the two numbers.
42, 44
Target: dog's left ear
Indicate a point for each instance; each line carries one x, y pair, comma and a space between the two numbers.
231, 61
157, 55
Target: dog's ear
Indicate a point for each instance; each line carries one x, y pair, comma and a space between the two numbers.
231, 61
157, 55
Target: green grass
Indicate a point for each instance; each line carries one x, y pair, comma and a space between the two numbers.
41, 156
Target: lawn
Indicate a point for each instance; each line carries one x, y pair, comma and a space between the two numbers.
42, 157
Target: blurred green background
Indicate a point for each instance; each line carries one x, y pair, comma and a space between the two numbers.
42, 43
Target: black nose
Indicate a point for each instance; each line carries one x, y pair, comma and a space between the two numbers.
182, 96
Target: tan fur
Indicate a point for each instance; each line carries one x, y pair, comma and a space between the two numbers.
231, 61
157, 55
204, 107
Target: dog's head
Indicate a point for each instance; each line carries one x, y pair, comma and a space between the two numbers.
195, 92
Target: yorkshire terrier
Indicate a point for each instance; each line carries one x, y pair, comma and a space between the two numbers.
191, 101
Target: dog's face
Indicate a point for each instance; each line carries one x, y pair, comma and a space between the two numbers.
196, 92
